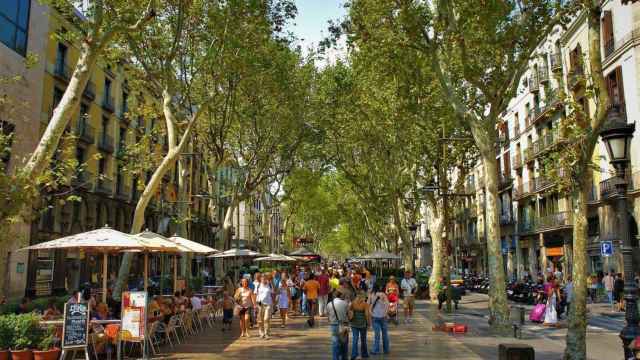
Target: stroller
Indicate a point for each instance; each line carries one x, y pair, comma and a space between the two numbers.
393, 308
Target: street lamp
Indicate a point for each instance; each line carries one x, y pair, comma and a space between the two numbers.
413, 228
617, 138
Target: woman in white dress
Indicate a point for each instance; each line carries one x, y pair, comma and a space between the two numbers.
284, 299
553, 297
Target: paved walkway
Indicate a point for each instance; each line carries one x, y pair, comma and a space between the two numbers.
412, 341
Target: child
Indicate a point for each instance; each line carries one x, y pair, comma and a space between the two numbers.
227, 310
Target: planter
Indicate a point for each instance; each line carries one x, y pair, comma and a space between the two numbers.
21, 355
52, 354
4, 354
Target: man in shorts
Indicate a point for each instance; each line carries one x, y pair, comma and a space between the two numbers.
409, 287
311, 289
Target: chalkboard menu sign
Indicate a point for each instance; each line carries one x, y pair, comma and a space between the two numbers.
75, 329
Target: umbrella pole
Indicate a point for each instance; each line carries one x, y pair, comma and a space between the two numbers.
105, 271
175, 273
146, 270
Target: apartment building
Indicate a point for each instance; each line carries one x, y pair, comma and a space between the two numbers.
535, 218
102, 127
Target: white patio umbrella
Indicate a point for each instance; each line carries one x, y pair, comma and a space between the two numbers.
235, 253
162, 244
104, 240
191, 247
277, 258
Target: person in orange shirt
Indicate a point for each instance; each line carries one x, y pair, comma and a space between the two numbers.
311, 288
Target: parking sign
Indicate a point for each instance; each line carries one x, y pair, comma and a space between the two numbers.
606, 248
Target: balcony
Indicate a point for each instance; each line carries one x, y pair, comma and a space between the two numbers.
506, 219
552, 103
530, 119
85, 132
108, 104
609, 187
517, 161
528, 154
522, 190
543, 75
556, 62
83, 179
122, 192
576, 78
516, 131
541, 183
105, 143
526, 226
554, 221
62, 71
504, 182
104, 185
534, 84
545, 142
89, 90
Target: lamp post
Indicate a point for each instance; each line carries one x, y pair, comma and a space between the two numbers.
413, 228
617, 138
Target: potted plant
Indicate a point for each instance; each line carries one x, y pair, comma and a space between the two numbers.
45, 346
6, 334
25, 334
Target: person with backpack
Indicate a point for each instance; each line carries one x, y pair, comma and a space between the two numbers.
338, 316
379, 314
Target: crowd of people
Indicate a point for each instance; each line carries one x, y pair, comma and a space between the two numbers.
348, 296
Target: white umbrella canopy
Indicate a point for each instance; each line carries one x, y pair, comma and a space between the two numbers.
101, 240
193, 246
157, 242
235, 253
277, 258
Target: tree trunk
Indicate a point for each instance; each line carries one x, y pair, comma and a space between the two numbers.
151, 188
62, 113
576, 346
436, 225
498, 307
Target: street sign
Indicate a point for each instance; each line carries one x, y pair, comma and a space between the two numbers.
606, 248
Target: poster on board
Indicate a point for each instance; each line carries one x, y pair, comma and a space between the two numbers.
134, 307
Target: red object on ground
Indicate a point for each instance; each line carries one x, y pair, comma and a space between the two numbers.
460, 329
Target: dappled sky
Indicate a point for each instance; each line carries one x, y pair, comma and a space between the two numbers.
311, 23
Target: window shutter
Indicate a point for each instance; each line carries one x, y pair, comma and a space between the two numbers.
620, 86
607, 33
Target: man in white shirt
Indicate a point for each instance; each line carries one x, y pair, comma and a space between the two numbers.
196, 303
337, 313
408, 285
264, 299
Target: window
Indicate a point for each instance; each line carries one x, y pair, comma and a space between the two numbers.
593, 226
14, 24
615, 89
61, 60
105, 127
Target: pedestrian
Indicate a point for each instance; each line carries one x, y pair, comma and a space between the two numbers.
284, 299
264, 301
409, 287
593, 287
553, 298
253, 311
323, 292
227, 305
360, 320
379, 310
294, 289
568, 292
245, 300
337, 314
618, 291
608, 282
311, 289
